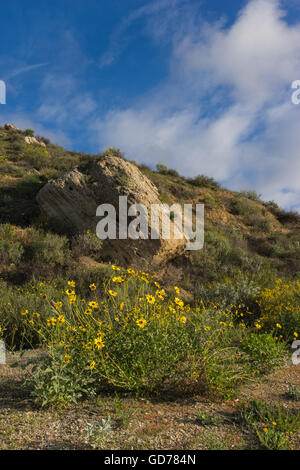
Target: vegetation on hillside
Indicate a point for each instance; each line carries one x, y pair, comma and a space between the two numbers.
232, 319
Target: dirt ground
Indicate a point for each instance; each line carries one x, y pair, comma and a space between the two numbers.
136, 423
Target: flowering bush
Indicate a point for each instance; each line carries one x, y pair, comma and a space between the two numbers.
280, 309
135, 337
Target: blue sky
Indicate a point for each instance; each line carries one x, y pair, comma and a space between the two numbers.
203, 86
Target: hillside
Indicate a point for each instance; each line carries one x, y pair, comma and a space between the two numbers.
243, 234
191, 352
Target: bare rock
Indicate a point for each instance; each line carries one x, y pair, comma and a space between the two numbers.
11, 127
72, 200
33, 140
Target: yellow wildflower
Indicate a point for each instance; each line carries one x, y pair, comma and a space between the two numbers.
99, 343
93, 304
67, 358
141, 322
150, 299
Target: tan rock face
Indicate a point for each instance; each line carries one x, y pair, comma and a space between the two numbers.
11, 127
33, 140
72, 200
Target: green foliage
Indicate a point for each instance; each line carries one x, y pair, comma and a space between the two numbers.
266, 352
251, 194
164, 170
280, 309
47, 248
243, 292
205, 419
38, 157
272, 439
17, 300
294, 393
98, 432
106, 340
11, 250
219, 258
113, 151
29, 132
57, 385
202, 181
273, 425
258, 221
285, 217
86, 244
245, 207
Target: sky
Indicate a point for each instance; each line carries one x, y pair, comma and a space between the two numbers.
203, 86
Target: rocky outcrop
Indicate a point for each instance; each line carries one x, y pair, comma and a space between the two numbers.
28, 139
11, 127
33, 140
72, 199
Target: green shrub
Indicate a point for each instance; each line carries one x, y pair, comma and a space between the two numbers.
205, 419
202, 181
29, 132
243, 206
11, 250
243, 292
86, 244
105, 339
252, 195
38, 157
57, 385
280, 309
113, 151
47, 248
29, 298
265, 352
294, 393
272, 425
164, 170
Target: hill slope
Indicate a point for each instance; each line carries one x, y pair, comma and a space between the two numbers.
243, 234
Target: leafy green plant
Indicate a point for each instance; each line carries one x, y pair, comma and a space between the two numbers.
259, 411
294, 393
56, 385
272, 424
86, 244
29, 132
11, 250
205, 419
265, 351
47, 247
272, 439
97, 432
164, 170
203, 181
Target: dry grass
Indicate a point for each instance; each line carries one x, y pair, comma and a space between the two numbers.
137, 424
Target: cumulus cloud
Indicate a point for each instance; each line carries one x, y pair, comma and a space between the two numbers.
225, 108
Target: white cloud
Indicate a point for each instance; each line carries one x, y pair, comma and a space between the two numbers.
225, 108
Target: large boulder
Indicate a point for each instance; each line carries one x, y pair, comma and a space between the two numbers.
72, 199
